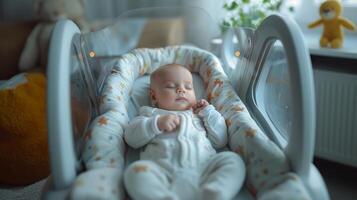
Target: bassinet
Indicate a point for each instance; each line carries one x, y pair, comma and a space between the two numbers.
85, 68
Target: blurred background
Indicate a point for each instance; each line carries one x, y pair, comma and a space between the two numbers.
19, 10
335, 70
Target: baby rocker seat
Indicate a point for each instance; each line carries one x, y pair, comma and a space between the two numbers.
97, 81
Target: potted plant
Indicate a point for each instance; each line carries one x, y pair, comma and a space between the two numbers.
248, 13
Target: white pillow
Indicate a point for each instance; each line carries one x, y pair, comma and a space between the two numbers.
140, 93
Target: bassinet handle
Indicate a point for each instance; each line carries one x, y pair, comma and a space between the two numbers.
60, 133
273, 28
300, 145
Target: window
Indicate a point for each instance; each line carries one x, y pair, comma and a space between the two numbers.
306, 11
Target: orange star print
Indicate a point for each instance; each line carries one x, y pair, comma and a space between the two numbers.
103, 121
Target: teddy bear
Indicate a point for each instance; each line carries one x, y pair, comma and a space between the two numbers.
34, 54
332, 21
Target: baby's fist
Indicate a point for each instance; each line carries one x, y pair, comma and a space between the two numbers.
200, 105
168, 123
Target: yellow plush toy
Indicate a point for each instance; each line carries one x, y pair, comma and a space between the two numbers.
23, 132
331, 19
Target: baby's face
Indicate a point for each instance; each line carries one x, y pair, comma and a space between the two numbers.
173, 89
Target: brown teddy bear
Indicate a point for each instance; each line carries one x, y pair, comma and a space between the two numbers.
34, 55
331, 19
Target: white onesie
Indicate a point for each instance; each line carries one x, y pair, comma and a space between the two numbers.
182, 164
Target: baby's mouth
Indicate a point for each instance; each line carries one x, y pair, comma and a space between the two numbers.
181, 99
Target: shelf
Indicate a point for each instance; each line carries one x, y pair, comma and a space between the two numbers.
349, 49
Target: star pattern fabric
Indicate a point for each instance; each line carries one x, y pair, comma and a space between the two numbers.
268, 170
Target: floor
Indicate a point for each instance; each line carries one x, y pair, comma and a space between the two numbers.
340, 179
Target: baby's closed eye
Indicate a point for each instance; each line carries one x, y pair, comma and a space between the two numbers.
170, 85
188, 86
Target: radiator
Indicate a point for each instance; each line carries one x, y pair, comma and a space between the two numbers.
336, 102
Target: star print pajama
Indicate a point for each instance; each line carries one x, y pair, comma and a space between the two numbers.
182, 164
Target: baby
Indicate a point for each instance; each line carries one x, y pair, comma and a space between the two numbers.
178, 160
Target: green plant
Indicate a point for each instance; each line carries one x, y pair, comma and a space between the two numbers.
248, 13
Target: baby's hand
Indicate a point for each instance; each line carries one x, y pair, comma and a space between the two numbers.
168, 123
200, 105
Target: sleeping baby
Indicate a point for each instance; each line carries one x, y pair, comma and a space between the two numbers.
179, 136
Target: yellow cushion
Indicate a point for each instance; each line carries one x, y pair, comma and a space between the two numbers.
23, 131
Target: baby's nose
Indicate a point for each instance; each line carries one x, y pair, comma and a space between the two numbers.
180, 90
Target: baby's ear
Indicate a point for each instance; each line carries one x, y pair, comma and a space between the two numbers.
152, 95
